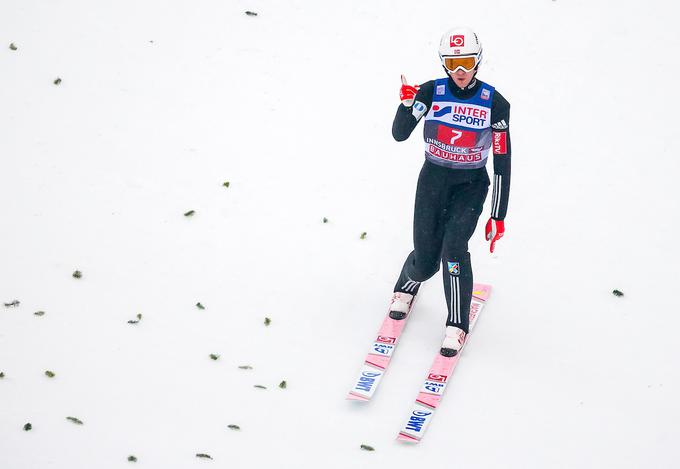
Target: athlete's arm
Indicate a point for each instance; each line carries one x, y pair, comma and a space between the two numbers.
408, 117
500, 123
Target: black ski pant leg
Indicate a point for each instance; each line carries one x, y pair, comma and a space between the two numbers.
428, 229
462, 215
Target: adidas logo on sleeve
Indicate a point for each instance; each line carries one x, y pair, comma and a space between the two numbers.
501, 125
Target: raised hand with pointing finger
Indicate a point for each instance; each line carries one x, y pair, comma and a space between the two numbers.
407, 94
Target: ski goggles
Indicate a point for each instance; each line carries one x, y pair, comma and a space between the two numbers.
454, 63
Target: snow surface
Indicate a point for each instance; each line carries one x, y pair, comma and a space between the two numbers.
162, 102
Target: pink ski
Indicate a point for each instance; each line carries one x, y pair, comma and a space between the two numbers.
431, 392
378, 357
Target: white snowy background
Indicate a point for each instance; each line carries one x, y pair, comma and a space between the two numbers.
161, 102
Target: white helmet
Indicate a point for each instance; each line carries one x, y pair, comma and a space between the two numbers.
460, 42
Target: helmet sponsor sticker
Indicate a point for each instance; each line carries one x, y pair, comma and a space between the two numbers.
457, 40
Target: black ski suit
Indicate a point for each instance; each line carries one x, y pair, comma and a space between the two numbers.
448, 204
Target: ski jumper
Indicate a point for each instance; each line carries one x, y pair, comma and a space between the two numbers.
461, 127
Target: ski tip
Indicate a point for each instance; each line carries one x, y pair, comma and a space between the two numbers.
407, 438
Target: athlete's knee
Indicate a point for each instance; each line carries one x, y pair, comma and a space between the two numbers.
458, 249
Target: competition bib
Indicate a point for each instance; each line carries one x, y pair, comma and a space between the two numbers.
458, 131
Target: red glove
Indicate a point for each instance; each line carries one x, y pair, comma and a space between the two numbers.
407, 93
495, 229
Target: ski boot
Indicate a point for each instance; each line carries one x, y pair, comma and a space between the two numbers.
401, 304
453, 342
